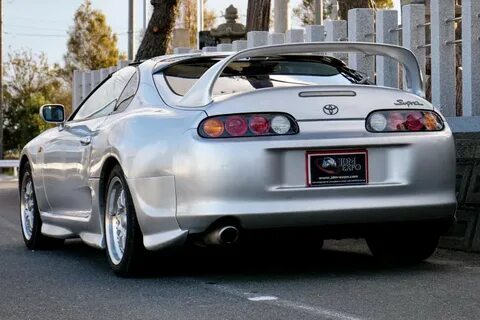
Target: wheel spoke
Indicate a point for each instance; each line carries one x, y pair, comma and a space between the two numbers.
116, 220
27, 207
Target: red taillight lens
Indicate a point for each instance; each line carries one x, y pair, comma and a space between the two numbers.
404, 120
414, 121
248, 125
236, 126
259, 125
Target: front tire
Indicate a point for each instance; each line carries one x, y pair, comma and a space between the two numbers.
123, 237
403, 248
30, 219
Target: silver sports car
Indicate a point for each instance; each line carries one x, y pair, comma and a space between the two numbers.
213, 148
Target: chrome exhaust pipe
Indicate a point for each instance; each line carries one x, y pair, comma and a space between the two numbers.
225, 235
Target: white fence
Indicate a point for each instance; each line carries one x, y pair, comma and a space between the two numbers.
367, 25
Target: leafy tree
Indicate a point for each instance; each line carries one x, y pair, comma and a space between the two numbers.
29, 83
188, 17
159, 31
92, 44
305, 11
258, 15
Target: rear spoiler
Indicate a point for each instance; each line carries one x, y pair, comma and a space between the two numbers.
201, 92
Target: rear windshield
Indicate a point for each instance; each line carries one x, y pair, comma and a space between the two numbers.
260, 73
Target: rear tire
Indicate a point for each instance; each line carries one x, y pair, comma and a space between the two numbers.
30, 219
403, 248
123, 237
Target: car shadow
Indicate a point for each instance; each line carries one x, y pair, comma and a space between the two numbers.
256, 262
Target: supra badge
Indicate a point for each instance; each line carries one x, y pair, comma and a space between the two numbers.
330, 109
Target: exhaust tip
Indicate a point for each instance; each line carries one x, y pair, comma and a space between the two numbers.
228, 235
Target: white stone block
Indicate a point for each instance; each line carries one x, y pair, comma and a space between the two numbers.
387, 68
470, 57
276, 38
361, 29
239, 45
209, 49
336, 30
294, 36
257, 38
314, 33
413, 32
443, 56
224, 47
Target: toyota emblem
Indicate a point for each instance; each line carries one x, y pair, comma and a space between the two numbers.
330, 109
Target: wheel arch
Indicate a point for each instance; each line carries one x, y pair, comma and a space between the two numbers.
23, 160
107, 167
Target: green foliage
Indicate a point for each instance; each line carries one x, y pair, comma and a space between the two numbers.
92, 44
29, 83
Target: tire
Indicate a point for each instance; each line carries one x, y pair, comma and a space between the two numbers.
123, 237
30, 220
403, 248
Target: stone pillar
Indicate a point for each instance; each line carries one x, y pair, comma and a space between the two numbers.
257, 38
361, 29
337, 31
294, 35
280, 16
276, 38
443, 56
470, 57
314, 33
413, 32
387, 68
180, 38
239, 45
224, 47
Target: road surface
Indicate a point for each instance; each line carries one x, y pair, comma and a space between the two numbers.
340, 282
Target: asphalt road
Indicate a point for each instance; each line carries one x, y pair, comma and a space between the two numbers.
340, 282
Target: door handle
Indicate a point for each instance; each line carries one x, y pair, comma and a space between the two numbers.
85, 141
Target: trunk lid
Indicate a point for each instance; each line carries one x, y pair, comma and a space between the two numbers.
318, 102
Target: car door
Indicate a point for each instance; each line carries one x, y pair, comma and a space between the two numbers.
66, 156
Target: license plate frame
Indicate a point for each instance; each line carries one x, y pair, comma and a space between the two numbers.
341, 169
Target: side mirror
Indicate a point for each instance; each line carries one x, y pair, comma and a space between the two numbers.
53, 113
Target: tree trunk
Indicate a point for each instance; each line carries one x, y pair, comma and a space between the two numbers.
345, 5
258, 15
159, 30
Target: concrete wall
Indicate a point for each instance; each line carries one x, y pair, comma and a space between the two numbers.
465, 234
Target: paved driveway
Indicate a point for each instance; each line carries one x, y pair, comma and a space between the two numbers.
340, 282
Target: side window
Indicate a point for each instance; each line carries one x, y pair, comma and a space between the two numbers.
103, 100
128, 93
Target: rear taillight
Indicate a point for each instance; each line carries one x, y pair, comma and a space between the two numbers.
248, 125
404, 121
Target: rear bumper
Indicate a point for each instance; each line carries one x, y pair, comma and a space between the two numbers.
261, 183
388, 205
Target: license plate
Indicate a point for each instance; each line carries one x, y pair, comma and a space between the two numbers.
337, 167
